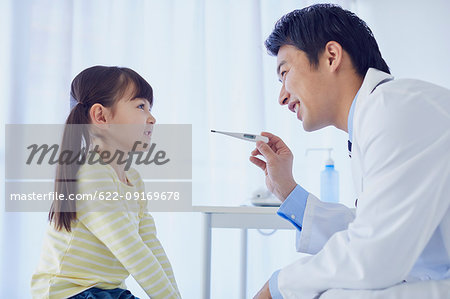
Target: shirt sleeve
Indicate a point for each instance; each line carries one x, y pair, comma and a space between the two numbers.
293, 208
110, 222
147, 231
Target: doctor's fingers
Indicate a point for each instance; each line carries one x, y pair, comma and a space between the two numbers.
269, 135
276, 143
266, 150
258, 162
274, 140
255, 152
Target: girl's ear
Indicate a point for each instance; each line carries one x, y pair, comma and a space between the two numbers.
99, 114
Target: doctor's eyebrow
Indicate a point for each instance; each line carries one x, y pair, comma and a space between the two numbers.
279, 67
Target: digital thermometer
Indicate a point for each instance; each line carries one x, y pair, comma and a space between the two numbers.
244, 136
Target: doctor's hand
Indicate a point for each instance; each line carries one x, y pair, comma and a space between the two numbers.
264, 293
278, 165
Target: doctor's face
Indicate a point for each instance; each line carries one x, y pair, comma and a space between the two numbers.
305, 88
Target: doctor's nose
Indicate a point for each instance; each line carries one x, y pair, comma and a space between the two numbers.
284, 96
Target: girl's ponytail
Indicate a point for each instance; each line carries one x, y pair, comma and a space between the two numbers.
75, 141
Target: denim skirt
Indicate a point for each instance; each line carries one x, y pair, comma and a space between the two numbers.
96, 293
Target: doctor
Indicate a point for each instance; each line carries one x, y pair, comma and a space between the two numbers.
396, 243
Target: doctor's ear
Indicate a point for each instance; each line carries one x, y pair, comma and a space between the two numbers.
333, 53
99, 114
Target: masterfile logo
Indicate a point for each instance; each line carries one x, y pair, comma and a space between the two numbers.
52, 156
162, 157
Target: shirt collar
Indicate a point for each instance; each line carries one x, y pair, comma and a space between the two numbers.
350, 119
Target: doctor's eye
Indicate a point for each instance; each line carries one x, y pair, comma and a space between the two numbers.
282, 74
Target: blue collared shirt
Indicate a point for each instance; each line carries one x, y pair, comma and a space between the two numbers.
350, 119
293, 208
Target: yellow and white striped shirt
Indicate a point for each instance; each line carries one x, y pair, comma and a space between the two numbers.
106, 245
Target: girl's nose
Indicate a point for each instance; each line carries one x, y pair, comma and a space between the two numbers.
151, 119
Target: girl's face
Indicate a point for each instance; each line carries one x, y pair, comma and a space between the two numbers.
130, 123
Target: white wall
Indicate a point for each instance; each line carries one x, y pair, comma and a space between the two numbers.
413, 36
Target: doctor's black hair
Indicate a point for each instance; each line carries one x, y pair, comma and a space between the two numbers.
311, 28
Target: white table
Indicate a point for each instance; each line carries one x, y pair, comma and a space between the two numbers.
244, 218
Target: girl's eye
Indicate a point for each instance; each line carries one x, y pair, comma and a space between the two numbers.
141, 106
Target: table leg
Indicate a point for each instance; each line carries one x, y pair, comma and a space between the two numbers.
243, 276
206, 256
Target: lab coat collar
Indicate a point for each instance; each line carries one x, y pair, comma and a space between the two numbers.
372, 79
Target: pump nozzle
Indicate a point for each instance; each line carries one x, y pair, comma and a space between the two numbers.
329, 178
329, 161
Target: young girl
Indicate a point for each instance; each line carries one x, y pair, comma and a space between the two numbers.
91, 247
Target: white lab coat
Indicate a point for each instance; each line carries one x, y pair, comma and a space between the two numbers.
400, 230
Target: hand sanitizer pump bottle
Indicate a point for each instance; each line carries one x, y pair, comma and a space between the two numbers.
329, 178
329, 181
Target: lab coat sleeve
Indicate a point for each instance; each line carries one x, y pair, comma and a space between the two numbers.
398, 210
320, 221
315, 221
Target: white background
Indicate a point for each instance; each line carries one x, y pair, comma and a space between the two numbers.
208, 67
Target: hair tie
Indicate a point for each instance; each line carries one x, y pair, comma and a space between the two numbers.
73, 102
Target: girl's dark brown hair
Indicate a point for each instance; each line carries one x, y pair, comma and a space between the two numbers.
98, 84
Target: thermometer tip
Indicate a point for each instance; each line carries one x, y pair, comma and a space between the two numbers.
213, 131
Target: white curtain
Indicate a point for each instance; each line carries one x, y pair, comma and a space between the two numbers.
208, 66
